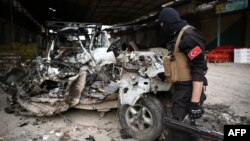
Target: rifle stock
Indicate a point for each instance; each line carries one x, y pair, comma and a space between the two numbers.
201, 131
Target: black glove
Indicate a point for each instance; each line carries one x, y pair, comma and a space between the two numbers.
195, 110
161, 76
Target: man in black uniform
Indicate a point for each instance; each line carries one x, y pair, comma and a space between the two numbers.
186, 66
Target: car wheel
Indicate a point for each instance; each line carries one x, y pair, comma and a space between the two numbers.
144, 120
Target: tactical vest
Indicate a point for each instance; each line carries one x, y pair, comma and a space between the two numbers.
175, 65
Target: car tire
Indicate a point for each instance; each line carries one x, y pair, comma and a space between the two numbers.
144, 120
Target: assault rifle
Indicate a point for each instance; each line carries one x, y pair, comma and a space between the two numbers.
197, 130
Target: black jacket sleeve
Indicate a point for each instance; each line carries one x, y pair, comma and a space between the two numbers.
193, 45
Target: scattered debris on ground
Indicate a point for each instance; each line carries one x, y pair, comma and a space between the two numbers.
224, 105
218, 115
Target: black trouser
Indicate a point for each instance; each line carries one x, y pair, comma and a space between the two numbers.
182, 94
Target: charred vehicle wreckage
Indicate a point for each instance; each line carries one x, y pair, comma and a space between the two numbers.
86, 71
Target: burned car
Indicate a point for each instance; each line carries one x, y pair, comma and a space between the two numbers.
86, 71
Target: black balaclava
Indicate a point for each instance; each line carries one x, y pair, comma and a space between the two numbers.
172, 22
